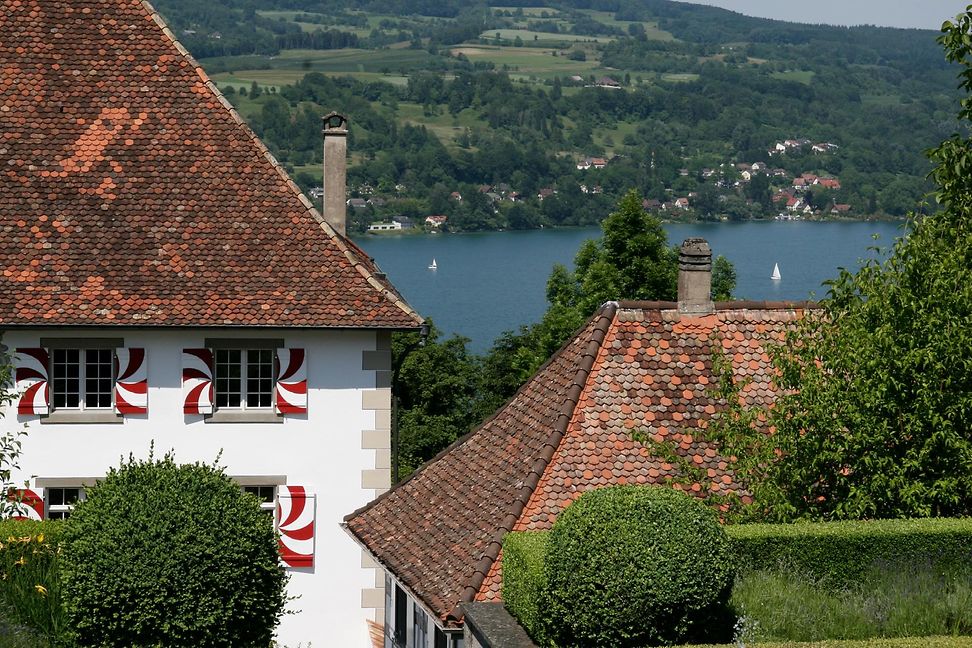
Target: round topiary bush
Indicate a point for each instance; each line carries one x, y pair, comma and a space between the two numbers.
161, 554
632, 566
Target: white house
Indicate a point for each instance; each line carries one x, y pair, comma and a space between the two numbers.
164, 280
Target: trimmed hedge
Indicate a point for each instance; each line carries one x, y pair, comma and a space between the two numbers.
30, 590
907, 642
524, 553
161, 554
631, 566
842, 553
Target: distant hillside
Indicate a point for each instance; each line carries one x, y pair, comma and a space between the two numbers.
544, 114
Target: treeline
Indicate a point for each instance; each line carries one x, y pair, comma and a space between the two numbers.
730, 114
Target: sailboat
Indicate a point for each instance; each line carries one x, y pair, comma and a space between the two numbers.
776, 272
433, 265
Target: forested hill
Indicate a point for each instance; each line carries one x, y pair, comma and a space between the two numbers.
544, 114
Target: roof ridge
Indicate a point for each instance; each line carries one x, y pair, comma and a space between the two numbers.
340, 240
738, 304
603, 320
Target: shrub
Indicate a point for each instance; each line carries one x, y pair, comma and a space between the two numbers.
30, 590
631, 566
843, 553
161, 554
524, 554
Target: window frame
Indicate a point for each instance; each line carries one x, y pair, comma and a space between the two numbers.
241, 414
268, 506
61, 511
82, 413
420, 627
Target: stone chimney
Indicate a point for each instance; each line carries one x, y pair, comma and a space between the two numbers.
336, 171
695, 277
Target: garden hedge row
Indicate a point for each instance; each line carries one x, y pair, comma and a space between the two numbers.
523, 556
841, 553
906, 642
835, 552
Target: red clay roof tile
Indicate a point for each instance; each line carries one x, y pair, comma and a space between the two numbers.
641, 368
135, 195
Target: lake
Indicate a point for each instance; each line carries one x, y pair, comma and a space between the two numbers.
489, 282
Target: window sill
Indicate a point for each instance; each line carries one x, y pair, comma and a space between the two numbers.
75, 416
236, 416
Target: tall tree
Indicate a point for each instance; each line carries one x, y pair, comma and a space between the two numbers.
875, 419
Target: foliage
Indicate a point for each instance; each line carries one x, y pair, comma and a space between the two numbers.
30, 590
161, 554
524, 554
875, 413
10, 441
907, 642
636, 566
435, 387
842, 553
892, 601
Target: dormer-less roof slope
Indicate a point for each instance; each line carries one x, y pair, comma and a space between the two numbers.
635, 369
133, 194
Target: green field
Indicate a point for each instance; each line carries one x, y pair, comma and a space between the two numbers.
527, 61
800, 76
535, 36
607, 18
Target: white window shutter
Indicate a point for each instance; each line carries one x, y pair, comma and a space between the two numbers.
32, 367
291, 391
295, 521
131, 381
197, 381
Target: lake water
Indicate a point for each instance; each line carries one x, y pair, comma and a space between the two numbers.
490, 282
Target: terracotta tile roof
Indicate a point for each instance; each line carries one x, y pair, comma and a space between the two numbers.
635, 369
133, 194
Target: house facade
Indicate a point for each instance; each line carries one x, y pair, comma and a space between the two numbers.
625, 401
165, 283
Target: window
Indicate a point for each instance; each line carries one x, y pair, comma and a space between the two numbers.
60, 502
82, 379
420, 627
389, 598
401, 615
440, 638
244, 378
267, 496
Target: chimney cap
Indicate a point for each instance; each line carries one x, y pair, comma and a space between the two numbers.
335, 121
695, 255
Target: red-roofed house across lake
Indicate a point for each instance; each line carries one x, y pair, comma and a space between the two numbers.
636, 372
161, 278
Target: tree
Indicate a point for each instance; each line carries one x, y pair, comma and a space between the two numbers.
161, 554
875, 414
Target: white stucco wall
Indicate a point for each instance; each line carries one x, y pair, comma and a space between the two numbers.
321, 451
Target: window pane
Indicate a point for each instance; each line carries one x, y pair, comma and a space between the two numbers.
65, 384
228, 377
259, 378
98, 383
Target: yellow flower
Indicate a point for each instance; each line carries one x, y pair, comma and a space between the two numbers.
40, 538
41, 590
21, 561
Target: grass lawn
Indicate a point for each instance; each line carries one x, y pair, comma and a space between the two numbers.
527, 60
680, 78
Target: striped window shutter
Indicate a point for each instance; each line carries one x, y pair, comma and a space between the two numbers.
291, 395
31, 503
131, 383
32, 381
295, 521
197, 381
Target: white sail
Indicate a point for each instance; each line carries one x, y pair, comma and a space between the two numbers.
776, 272
433, 265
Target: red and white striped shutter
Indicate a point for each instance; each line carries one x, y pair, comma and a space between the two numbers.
131, 384
31, 503
32, 381
291, 381
197, 381
295, 521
